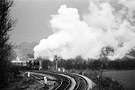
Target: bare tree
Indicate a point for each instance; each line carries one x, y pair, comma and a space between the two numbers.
105, 51
5, 26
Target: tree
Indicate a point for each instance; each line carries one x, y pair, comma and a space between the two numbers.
5, 26
105, 51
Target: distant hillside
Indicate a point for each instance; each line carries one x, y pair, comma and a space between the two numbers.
25, 48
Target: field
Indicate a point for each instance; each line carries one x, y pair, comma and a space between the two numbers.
125, 77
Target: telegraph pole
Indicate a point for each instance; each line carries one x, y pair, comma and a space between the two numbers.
40, 64
56, 62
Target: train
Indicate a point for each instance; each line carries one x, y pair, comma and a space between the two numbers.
27, 64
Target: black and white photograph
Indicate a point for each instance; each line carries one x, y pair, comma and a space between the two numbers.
67, 44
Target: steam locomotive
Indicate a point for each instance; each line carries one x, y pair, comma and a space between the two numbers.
33, 64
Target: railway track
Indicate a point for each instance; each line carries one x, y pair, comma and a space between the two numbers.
81, 83
65, 81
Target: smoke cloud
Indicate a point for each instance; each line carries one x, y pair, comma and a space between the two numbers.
106, 24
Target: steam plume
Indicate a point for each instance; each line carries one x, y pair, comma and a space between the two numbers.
104, 25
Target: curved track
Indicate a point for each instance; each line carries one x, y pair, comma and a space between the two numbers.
90, 83
66, 81
81, 83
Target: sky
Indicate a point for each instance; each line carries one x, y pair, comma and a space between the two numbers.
32, 17
105, 24
58, 24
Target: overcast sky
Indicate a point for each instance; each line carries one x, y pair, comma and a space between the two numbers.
32, 17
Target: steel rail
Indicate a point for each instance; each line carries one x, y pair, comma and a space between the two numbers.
63, 80
90, 83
